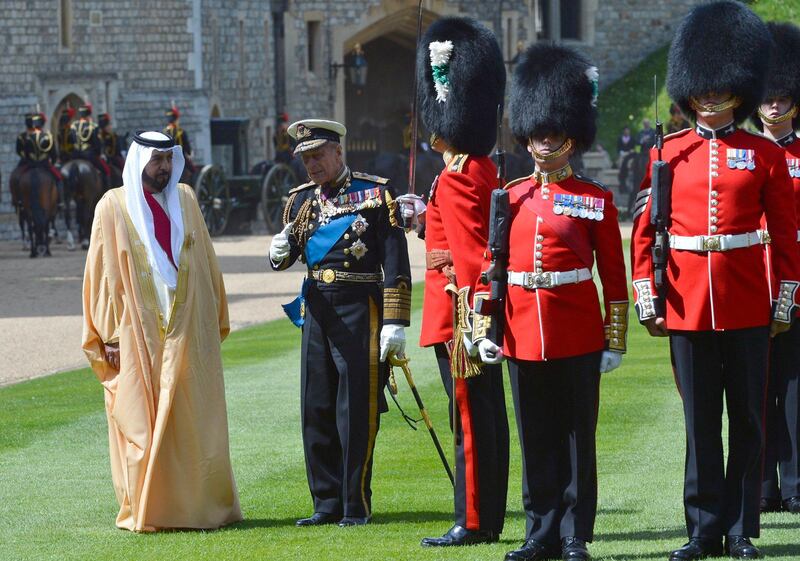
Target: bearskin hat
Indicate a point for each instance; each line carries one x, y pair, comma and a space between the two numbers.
719, 47
554, 90
172, 114
103, 119
461, 79
85, 110
783, 77
29, 120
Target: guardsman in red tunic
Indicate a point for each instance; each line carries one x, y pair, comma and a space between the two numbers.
719, 313
558, 337
778, 118
461, 82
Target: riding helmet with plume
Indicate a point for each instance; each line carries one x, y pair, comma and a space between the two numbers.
553, 91
783, 77
719, 47
461, 79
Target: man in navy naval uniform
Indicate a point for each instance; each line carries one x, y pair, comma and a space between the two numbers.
355, 303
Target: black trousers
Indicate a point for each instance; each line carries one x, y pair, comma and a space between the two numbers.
341, 394
556, 404
783, 418
481, 446
708, 365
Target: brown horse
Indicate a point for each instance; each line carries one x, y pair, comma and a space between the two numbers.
37, 197
82, 182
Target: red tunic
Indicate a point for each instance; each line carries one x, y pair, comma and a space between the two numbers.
565, 320
457, 220
791, 147
711, 195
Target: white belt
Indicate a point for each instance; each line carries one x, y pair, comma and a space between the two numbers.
548, 279
720, 242
798, 235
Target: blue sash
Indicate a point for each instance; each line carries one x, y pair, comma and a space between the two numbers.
321, 241
296, 309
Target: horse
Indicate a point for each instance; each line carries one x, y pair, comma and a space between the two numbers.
37, 193
82, 182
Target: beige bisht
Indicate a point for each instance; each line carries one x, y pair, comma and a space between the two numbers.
167, 421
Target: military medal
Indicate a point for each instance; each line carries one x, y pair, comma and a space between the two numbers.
794, 167
558, 208
599, 207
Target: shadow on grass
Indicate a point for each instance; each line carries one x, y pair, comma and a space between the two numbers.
643, 535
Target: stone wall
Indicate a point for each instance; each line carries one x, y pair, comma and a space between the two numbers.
216, 57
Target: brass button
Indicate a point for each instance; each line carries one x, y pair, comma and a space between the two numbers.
347, 251
347, 236
347, 264
316, 267
313, 215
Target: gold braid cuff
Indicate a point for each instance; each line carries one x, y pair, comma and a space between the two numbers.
462, 365
553, 155
480, 323
397, 303
731, 103
617, 329
791, 114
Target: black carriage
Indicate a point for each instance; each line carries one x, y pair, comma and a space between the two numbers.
228, 185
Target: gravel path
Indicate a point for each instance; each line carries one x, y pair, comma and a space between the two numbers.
40, 300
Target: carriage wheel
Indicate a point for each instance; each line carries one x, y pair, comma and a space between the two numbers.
274, 193
214, 197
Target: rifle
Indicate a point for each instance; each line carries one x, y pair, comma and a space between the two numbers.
496, 275
661, 195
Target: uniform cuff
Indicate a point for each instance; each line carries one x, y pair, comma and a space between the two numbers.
784, 305
397, 304
617, 329
480, 323
645, 299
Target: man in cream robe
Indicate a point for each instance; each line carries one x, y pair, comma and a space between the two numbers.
155, 313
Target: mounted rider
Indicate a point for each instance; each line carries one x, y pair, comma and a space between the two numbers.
84, 134
174, 130
36, 148
65, 147
112, 147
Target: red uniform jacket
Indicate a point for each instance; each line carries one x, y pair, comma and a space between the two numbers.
724, 182
791, 147
457, 220
565, 320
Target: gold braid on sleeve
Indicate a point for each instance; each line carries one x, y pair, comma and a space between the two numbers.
397, 302
617, 329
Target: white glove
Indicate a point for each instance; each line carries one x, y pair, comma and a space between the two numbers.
279, 247
610, 361
490, 353
469, 346
412, 208
393, 340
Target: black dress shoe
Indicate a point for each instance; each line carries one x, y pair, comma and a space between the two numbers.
697, 548
574, 549
792, 505
353, 521
769, 505
739, 547
533, 550
461, 536
318, 519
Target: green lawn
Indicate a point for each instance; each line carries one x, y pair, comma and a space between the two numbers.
57, 502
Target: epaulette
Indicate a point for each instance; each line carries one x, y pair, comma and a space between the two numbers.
678, 134
590, 182
457, 163
516, 182
371, 178
301, 187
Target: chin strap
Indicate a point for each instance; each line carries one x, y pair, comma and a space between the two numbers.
566, 147
791, 114
731, 103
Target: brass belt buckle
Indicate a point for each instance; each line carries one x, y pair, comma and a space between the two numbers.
711, 243
538, 280
328, 276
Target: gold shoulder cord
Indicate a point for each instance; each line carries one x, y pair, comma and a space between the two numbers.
391, 205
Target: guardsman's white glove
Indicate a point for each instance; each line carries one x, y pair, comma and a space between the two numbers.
279, 247
412, 209
490, 353
610, 361
393, 340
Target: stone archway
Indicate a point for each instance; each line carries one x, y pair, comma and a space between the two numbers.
376, 115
